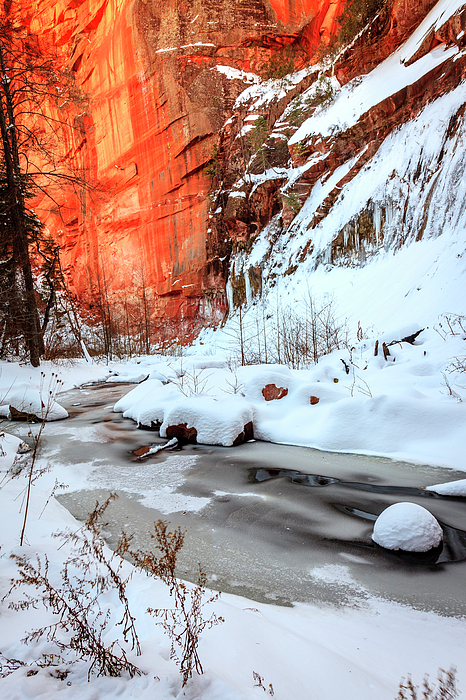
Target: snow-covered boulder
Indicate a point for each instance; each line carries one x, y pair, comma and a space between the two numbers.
153, 405
27, 403
451, 488
408, 527
136, 394
216, 421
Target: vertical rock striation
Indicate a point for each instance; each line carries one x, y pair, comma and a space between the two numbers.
156, 81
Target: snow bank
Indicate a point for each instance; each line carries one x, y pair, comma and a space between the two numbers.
399, 407
407, 526
10, 445
359, 652
451, 488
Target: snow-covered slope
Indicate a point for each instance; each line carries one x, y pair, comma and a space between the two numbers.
370, 206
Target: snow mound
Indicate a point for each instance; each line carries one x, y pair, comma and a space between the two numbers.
127, 377
35, 402
451, 488
407, 526
136, 394
10, 446
218, 421
153, 405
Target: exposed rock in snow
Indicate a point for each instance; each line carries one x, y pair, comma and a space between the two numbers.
407, 526
271, 392
255, 387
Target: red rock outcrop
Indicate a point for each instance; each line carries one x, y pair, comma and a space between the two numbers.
243, 217
151, 103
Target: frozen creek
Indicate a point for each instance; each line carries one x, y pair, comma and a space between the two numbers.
270, 522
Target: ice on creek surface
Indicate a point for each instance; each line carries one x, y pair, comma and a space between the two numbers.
407, 526
262, 539
158, 485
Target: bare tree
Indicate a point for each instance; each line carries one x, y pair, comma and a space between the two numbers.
31, 83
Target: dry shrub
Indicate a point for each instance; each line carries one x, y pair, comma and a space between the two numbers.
81, 622
184, 623
89, 572
445, 690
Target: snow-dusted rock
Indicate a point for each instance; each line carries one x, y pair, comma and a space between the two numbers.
451, 488
407, 526
217, 421
127, 377
35, 403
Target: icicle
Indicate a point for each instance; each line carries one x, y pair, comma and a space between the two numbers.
247, 284
377, 217
229, 293
346, 234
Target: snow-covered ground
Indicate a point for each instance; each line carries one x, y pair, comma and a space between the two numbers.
400, 406
406, 406
409, 405
304, 652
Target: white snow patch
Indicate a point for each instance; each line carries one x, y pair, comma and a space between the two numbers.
35, 401
450, 488
407, 526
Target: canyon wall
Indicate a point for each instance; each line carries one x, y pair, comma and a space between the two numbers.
156, 80
345, 167
181, 176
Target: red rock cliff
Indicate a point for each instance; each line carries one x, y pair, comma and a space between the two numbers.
154, 96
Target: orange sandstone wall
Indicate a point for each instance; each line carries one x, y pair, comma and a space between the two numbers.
152, 102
